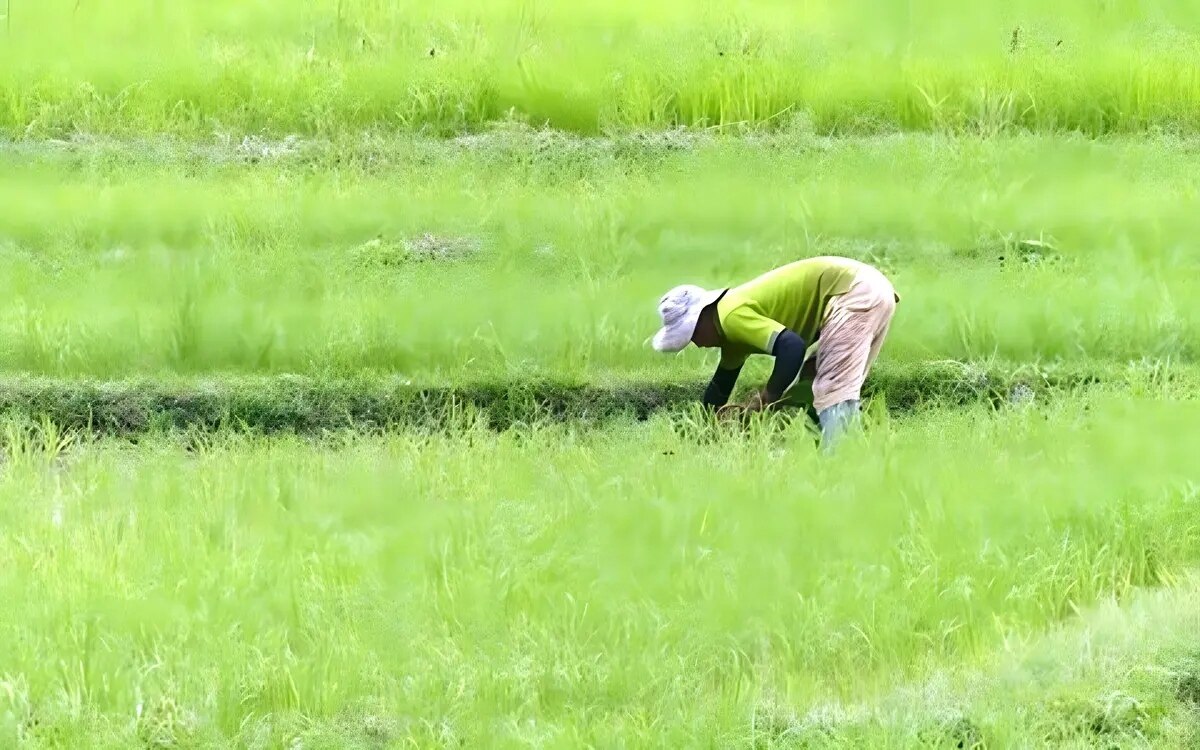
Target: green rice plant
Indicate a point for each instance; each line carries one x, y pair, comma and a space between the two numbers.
633, 585
533, 255
286, 66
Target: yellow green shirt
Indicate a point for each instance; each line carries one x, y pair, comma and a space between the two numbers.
794, 297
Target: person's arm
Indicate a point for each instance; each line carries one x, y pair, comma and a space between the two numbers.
721, 386
789, 352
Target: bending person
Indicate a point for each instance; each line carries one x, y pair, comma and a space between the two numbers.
845, 304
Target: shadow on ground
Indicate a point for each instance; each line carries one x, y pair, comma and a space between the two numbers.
314, 405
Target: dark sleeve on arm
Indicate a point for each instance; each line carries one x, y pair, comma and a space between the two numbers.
721, 387
789, 358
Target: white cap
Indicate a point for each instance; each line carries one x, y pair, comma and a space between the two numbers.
680, 310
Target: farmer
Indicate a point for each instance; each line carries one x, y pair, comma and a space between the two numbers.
845, 304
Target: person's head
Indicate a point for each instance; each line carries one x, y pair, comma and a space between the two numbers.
688, 315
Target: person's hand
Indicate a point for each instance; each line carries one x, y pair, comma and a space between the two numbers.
730, 412
757, 402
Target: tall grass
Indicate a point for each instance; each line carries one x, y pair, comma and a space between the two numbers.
521, 255
655, 584
346, 65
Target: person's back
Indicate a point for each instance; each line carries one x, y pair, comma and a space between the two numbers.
793, 297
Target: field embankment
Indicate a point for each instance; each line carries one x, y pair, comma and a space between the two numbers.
314, 405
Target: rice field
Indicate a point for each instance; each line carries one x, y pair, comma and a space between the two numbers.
328, 417
339, 66
1027, 249
646, 584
